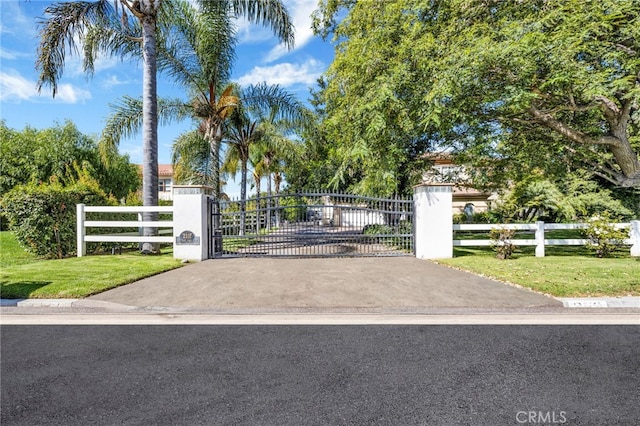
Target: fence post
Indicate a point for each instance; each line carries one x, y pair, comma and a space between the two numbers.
81, 246
433, 221
634, 235
540, 239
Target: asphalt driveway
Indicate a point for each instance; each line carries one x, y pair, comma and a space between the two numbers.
277, 284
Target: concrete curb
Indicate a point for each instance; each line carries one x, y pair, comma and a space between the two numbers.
601, 302
64, 303
575, 302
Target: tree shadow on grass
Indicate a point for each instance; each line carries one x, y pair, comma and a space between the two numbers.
20, 289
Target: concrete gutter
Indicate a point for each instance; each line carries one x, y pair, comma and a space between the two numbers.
567, 302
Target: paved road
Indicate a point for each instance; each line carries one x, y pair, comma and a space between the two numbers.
320, 375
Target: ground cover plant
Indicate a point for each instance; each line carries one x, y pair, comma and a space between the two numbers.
565, 271
25, 276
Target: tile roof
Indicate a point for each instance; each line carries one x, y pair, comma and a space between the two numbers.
165, 170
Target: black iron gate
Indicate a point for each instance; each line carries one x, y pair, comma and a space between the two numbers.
312, 225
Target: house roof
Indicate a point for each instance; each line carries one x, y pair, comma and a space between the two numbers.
164, 170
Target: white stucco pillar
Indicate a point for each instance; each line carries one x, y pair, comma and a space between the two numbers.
190, 219
433, 218
634, 235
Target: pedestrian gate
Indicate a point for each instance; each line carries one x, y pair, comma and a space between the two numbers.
311, 225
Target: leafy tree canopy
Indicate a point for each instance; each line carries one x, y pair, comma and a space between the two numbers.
63, 153
552, 82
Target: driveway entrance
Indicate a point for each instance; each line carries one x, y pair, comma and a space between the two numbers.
363, 284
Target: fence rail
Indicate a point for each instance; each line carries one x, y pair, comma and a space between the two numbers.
539, 240
122, 237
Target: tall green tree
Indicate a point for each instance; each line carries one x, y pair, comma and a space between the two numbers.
558, 79
60, 153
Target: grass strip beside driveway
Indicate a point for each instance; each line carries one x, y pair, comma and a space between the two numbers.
566, 275
79, 277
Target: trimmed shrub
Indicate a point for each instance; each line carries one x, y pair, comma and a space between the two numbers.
43, 217
603, 238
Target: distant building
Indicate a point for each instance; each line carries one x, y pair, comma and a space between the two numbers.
165, 181
466, 199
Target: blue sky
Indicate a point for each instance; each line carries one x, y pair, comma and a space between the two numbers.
85, 101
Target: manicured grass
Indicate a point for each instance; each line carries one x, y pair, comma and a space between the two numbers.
11, 253
23, 276
564, 272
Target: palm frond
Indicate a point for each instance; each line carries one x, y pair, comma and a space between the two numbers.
270, 13
66, 23
191, 159
126, 118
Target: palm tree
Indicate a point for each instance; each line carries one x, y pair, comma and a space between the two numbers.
258, 105
277, 148
198, 53
123, 28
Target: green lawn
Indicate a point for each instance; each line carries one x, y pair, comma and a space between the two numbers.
24, 276
564, 272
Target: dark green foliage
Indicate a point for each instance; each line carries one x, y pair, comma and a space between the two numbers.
572, 200
293, 208
36, 156
43, 217
514, 87
483, 217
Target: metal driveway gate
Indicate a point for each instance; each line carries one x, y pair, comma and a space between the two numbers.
312, 225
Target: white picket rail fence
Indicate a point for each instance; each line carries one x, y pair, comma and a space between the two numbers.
127, 237
539, 239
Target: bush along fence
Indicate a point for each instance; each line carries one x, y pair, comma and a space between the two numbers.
164, 226
538, 232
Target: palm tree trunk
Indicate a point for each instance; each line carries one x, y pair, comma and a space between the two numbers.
277, 180
150, 128
257, 181
269, 200
215, 139
243, 197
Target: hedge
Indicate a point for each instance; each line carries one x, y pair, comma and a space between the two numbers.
43, 216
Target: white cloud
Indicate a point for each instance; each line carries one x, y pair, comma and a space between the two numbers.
12, 54
15, 87
71, 95
73, 64
14, 21
113, 81
285, 74
300, 11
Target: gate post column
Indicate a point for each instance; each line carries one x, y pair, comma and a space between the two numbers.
190, 230
433, 221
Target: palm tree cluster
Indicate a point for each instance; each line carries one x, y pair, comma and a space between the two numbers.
192, 42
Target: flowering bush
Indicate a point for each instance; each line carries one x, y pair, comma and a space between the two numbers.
603, 237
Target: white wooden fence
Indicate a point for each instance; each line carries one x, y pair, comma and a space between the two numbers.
539, 240
83, 225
